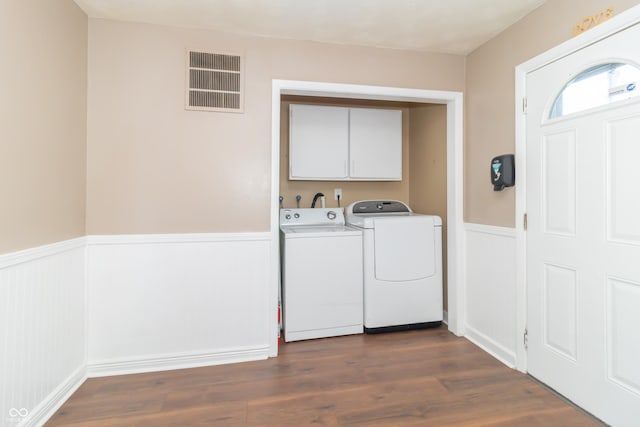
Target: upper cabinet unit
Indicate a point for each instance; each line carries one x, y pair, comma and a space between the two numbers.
375, 144
343, 144
318, 142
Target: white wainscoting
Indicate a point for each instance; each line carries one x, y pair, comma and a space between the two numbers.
491, 290
42, 330
159, 302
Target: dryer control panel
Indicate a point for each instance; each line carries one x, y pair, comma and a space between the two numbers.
379, 206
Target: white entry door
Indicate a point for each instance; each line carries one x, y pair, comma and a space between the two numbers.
583, 237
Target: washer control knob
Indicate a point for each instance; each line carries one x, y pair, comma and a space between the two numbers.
331, 215
287, 216
379, 206
296, 215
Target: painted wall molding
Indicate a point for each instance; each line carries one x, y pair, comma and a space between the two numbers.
490, 229
32, 254
131, 239
42, 329
56, 399
488, 344
158, 302
122, 271
45, 297
490, 290
166, 362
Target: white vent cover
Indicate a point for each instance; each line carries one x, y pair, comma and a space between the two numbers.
214, 82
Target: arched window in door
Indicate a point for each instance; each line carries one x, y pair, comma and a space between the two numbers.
597, 86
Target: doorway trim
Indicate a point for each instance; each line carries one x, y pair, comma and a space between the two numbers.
616, 24
455, 226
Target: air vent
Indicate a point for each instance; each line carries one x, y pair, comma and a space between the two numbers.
214, 82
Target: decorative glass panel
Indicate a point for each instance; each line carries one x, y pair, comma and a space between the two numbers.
596, 86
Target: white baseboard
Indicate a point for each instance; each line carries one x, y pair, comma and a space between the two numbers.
175, 361
45, 410
503, 354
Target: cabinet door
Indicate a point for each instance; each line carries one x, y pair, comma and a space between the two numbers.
318, 142
376, 144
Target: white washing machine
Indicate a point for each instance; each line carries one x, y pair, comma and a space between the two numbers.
402, 265
322, 276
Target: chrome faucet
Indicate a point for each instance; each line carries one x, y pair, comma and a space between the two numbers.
315, 199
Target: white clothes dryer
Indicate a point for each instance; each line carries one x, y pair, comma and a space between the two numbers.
402, 254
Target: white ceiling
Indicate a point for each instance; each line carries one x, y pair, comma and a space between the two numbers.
449, 26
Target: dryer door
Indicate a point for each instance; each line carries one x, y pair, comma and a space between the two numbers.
404, 248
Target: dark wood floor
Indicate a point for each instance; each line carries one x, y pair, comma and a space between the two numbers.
417, 378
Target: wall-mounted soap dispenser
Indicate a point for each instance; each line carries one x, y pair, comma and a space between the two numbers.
503, 172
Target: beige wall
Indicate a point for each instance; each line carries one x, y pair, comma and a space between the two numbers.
490, 98
154, 167
43, 78
428, 168
351, 190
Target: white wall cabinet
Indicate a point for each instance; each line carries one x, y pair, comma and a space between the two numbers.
318, 142
375, 144
342, 144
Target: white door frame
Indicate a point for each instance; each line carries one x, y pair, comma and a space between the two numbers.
602, 31
455, 228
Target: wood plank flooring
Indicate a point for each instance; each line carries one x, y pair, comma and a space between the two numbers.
415, 378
